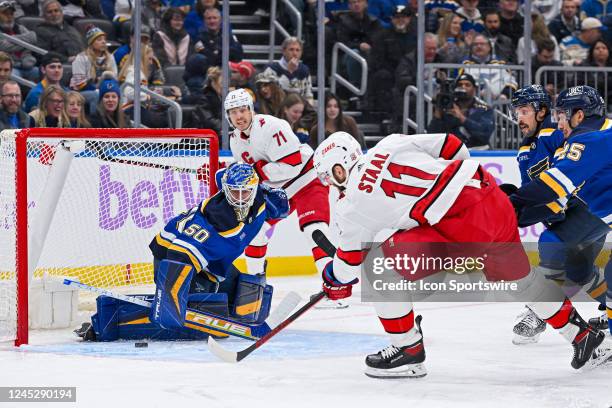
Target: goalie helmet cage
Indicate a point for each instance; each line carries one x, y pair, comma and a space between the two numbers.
47, 157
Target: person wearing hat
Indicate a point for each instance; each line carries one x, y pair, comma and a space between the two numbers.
241, 74
25, 62
390, 45
270, 95
384, 10
52, 71
108, 113
464, 117
121, 53
574, 49
54, 34
89, 65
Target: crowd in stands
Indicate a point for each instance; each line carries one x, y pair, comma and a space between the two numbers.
86, 77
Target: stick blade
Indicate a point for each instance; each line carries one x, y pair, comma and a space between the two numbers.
225, 355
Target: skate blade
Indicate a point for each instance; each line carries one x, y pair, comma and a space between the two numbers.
604, 357
519, 340
331, 304
407, 371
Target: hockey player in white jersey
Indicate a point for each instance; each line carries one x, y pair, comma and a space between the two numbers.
280, 160
426, 189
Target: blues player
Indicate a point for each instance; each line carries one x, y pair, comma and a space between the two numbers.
532, 109
193, 263
581, 169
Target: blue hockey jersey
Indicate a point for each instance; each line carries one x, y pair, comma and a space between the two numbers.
209, 236
536, 153
582, 167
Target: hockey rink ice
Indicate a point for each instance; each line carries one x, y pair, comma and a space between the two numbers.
319, 362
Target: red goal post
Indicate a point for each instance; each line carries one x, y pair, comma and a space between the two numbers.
43, 214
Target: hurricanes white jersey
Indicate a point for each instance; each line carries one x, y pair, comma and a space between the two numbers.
403, 182
276, 152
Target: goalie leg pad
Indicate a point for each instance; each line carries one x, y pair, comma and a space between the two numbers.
172, 282
249, 296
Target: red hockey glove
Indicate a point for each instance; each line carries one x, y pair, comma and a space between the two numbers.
334, 289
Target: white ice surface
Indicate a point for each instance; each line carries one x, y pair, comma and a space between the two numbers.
318, 363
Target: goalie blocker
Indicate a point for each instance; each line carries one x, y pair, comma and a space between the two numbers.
179, 295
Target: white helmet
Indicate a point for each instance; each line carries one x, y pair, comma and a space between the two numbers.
339, 148
235, 99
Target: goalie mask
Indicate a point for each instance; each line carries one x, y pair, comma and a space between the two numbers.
236, 99
240, 188
340, 148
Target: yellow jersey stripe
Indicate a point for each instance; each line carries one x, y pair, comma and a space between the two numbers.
553, 184
233, 231
194, 261
554, 207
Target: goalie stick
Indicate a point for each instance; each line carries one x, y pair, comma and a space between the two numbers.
211, 321
235, 356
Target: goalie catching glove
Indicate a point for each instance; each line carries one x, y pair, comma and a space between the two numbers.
333, 288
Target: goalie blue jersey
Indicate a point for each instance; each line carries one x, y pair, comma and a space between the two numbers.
536, 153
209, 236
583, 167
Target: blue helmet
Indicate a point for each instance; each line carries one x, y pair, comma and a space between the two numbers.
240, 183
534, 95
580, 97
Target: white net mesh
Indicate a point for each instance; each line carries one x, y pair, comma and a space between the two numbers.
94, 205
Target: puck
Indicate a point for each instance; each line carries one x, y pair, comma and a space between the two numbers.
141, 344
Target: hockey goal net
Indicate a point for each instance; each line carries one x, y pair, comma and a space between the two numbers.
85, 204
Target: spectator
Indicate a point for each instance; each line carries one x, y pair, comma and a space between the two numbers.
389, 47
207, 113
195, 19
566, 23
406, 70
209, 41
472, 19
451, 47
6, 67
384, 10
336, 121
502, 44
496, 81
122, 53
195, 78
469, 120
293, 75
74, 9
292, 110
241, 74
54, 34
436, 10
89, 65
546, 57
25, 62
599, 56
108, 113
122, 19
598, 9
547, 8
270, 95
539, 33
52, 71
357, 30
511, 20
11, 115
151, 15
575, 49
172, 45
51, 110
75, 109
151, 73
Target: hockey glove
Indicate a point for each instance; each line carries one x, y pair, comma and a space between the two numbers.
277, 203
334, 289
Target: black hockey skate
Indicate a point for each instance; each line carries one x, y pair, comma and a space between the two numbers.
86, 332
398, 362
587, 350
528, 329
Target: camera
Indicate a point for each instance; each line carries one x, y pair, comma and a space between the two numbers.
446, 96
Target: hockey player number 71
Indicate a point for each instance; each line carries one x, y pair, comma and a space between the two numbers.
278, 137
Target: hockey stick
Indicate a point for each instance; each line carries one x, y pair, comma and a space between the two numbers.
236, 356
211, 321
